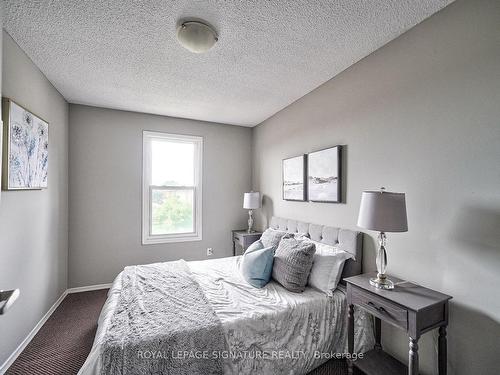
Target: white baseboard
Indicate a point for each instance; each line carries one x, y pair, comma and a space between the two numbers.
26, 341
32, 334
88, 288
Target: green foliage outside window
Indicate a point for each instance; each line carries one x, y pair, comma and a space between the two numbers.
172, 211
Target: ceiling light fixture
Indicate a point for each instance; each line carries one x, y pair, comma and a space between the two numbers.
196, 36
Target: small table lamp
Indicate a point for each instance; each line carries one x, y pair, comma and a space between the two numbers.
382, 211
251, 201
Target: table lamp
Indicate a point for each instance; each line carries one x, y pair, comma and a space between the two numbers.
251, 201
382, 211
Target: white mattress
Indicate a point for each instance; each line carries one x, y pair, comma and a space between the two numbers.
268, 330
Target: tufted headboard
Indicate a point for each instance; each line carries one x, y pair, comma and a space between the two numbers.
350, 241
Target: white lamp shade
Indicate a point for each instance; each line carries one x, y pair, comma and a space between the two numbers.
383, 211
251, 200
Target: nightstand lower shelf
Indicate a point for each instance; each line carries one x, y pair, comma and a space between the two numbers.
378, 362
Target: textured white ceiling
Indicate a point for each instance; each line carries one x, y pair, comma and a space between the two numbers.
123, 53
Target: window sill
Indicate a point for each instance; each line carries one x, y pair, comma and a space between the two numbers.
170, 239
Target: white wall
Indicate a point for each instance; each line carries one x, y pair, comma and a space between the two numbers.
106, 185
34, 224
421, 116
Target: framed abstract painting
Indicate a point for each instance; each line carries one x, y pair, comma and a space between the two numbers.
294, 186
25, 148
323, 175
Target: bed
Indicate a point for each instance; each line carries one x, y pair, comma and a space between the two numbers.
264, 331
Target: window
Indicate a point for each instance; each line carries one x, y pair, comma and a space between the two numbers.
172, 175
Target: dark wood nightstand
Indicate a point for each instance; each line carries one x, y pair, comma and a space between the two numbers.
242, 239
408, 306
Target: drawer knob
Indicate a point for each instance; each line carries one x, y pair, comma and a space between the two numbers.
380, 309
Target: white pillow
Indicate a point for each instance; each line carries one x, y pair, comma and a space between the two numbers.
327, 267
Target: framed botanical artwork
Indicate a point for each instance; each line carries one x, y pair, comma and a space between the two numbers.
323, 175
25, 148
294, 175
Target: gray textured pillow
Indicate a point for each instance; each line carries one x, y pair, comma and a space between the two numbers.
272, 237
293, 261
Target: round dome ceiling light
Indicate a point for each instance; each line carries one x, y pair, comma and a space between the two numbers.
196, 36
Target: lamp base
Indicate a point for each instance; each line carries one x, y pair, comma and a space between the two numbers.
250, 222
381, 282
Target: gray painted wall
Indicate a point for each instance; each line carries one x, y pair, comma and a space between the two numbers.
106, 185
421, 115
34, 224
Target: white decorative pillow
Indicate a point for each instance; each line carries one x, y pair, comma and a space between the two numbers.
328, 264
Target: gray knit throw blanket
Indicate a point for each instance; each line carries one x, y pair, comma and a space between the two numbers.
162, 324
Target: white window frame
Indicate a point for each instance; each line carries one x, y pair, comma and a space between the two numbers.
147, 237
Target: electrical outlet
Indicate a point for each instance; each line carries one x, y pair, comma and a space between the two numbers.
210, 251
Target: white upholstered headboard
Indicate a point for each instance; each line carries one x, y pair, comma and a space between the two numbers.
349, 240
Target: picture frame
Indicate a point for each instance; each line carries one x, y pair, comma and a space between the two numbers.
294, 187
324, 179
25, 148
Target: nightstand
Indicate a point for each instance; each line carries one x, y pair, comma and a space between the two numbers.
408, 306
242, 240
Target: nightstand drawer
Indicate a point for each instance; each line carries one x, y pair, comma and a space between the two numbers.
238, 238
381, 308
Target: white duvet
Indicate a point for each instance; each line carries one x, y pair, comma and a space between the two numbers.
268, 330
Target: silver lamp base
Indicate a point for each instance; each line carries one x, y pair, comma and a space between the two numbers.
381, 282
250, 222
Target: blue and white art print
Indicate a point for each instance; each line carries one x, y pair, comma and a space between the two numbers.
323, 175
26, 149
